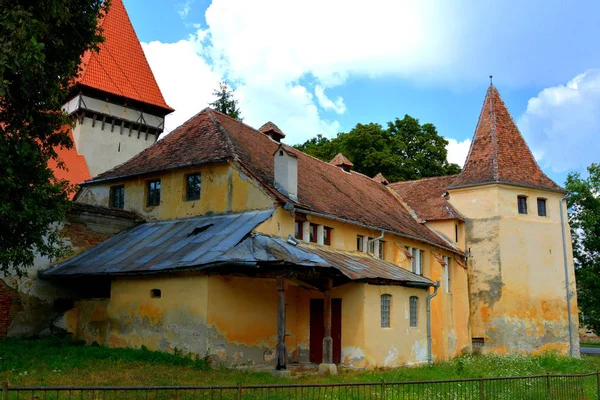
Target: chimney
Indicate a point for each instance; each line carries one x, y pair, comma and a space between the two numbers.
271, 130
286, 173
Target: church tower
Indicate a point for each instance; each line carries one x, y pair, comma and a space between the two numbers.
116, 102
519, 245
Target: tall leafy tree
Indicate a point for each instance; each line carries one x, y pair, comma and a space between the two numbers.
225, 103
403, 150
41, 44
584, 218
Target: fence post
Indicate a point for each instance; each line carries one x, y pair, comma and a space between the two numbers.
239, 391
5, 391
382, 389
481, 389
548, 385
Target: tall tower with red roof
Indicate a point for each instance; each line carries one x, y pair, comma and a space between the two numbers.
521, 274
118, 106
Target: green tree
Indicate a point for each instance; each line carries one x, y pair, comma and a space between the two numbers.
225, 103
402, 151
584, 218
41, 44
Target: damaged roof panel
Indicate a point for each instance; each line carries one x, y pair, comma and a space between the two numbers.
204, 242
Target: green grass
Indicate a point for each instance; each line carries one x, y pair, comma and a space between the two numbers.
590, 344
56, 361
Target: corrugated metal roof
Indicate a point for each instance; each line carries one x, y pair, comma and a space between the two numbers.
217, 241
163, 245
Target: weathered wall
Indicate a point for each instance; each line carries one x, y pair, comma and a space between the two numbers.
224, 189
447, 228
517, 279
104, 149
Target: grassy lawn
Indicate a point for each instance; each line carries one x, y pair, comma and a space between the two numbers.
56, 361
590, 344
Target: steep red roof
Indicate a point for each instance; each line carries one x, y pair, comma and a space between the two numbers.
426, 197
341, 161
498, 152
381, 179
76, 167
120, 67
323, 188
271, 128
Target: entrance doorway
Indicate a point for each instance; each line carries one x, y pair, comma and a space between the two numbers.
317, 330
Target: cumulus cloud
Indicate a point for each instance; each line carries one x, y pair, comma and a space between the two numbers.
184, 8
458, 151
338, 106
562, 123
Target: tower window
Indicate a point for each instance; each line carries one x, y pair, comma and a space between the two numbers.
414, 308
117, 196
541, 206
522, 202
154, 192
193, 184
386, 302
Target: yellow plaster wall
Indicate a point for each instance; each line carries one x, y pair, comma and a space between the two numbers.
446, 227
517, 281
224, 189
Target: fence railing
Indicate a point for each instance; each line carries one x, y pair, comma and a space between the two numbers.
542, 387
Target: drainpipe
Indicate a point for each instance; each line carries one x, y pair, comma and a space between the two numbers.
564, 240
431, 296
374, 240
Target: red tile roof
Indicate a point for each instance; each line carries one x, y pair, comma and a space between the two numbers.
499, 153
381, 179
341, 161
271, 128
120, 67
322, 188
76, 167
426, 197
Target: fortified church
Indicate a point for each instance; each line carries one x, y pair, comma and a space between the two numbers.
223, 241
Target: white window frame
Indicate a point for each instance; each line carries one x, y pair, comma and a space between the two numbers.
416, 260
447, 272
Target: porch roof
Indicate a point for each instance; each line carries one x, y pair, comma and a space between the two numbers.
218, 242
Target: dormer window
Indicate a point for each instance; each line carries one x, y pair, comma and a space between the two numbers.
522, 204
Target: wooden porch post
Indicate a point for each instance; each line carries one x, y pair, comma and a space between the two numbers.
281, 348
327, 340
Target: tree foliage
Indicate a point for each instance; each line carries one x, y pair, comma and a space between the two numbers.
41, 44
584, 219
403, 150
225, 103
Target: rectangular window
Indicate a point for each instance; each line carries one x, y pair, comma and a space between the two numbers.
381, 250
371, 245
193, 184
447, 273
154, 192
359, 243
522, 204
313, 233
456, 233
298, 230
414, 308
417, 261
117, 196
386, 302
541, 203
327, 235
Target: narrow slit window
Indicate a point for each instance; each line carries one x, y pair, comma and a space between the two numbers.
386, 303
541, 206
154, 192
456, 233
155, 294
117, 196
522, 201
193, 186
447, 271
414, 308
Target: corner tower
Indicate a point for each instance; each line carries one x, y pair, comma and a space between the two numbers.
512, 210
116, 102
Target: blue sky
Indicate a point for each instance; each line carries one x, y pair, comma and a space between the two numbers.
321, 66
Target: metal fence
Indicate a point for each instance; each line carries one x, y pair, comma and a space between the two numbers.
567, 387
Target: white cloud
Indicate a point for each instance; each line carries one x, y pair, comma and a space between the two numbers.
338, 106
562, 123
458, 151
184, 8
184, 78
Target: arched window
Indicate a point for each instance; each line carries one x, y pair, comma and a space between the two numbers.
414, 308
386, 305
